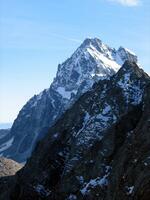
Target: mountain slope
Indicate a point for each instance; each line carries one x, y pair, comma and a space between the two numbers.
92, 61
92, 152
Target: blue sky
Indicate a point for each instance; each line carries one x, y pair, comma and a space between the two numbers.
37, 35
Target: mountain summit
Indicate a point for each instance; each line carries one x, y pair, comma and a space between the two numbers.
91, 62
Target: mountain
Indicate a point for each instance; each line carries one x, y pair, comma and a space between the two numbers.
5, 125
98, 149
92, 61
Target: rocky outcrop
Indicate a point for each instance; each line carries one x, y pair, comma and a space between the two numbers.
98, 149
8, 169
92, 61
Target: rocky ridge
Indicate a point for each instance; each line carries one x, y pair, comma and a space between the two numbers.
98, 149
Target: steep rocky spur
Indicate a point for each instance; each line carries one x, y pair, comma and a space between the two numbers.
98, 149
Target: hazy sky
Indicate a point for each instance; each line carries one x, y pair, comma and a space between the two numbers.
36, 35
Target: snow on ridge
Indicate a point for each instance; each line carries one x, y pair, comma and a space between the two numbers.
124, 82
107, 62
97, 182
65, 94
127, 85
102, 182
127, 54
131, 52
85, 122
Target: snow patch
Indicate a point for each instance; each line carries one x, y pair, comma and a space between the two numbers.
129, 190
102, 182
65, 94
132, 90
42, 191
72, 197
124, 82
107, 63
55, 135
106, 110
85, 121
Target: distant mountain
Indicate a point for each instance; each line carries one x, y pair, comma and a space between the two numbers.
92, 61
99, 149
5, 125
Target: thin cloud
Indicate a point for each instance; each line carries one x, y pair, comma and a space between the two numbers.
127, 2
66, 38
28, 34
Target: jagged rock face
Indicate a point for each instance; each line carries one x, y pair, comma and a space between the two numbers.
92, 61
98, 149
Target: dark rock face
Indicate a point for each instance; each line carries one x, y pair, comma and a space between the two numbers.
92, 61
98, 149
130, 174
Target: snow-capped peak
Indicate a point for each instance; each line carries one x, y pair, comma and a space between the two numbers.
92, 61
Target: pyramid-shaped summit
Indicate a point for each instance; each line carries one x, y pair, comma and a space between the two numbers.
92, 61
